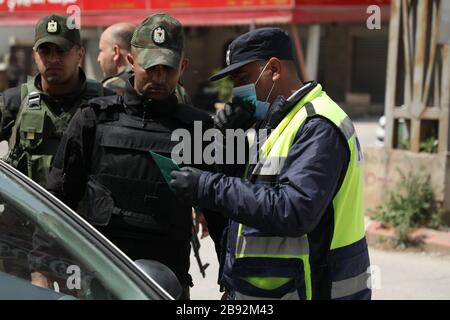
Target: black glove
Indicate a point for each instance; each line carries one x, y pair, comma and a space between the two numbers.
235, 115
185, 183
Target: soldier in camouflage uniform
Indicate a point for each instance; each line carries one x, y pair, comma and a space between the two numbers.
35, 114
114, 47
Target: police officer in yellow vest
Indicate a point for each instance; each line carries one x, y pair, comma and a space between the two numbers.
296, 215
35, 115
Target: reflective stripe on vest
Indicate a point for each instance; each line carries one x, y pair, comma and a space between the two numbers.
248, 246
347, 204
347, 287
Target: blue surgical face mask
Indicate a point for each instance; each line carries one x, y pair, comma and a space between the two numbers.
247, 93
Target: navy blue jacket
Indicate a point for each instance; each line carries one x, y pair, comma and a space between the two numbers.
301, 203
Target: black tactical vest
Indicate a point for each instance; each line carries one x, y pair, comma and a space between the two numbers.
125, 182
38, 130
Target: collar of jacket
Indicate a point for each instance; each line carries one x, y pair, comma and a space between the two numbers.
282, 106
38, 77
65, 101
123, 74
137, 105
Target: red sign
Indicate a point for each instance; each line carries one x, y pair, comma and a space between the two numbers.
30, 6
191, 12
219, 4
342, 2
34, 6
108, 5
88, 6
61, 6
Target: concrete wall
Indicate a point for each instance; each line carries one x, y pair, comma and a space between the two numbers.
336, 56
381, 172
21, 34
90, 38
205, 48
340, 61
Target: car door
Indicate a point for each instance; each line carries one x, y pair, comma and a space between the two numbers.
47, 251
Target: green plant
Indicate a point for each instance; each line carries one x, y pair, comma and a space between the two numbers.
224, 86
411, 204
429, 145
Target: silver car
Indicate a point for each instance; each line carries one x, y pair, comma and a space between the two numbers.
41, 237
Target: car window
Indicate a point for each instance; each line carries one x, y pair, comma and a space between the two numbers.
39, 247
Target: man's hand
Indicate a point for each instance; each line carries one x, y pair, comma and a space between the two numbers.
235, 115
200, 221
185, 183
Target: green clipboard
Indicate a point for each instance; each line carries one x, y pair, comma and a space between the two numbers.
166, 165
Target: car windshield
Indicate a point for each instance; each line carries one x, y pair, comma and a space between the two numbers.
41, 247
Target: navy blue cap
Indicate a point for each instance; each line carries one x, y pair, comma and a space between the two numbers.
259, 44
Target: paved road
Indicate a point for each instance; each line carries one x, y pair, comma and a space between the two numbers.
409, 276
402, 275
366, 130
205, 289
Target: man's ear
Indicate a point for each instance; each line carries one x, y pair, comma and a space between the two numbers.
276, 67
34, 54
184, 65
81, 53
116, 55
130, 60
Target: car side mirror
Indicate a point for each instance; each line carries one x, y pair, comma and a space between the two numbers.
162, 275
